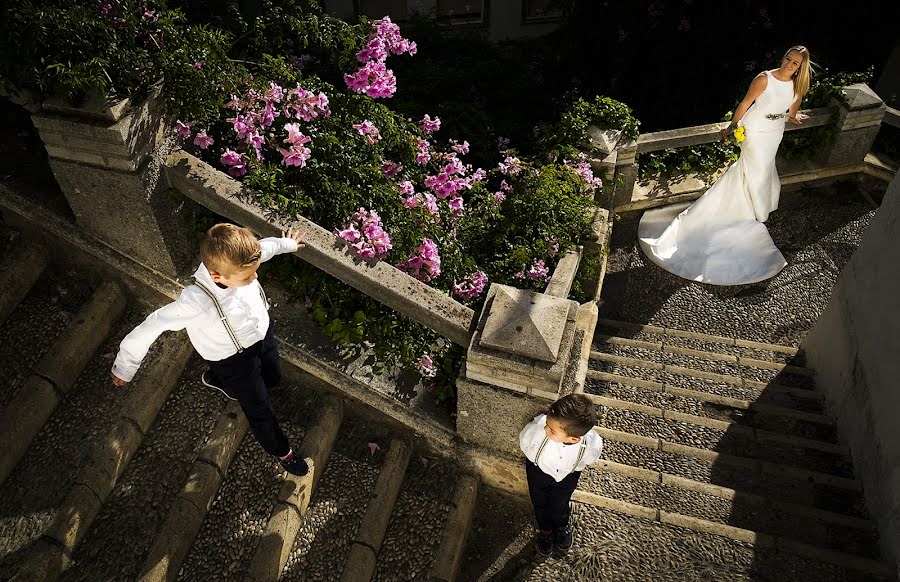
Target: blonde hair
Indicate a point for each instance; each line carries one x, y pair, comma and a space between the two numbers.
228, 248
803, 76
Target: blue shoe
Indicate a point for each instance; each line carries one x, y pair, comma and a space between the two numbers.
206, 378
295, 465
544, 543
563, 538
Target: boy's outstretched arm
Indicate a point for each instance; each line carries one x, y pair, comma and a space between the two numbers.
172, 317
289, 242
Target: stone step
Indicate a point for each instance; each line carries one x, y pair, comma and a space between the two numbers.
770, 480
244, 484
612, 545
713, 339
731, 507
741, 362
456, 530
35, 324
127, 487
363, 556
409, 550
721, 436
338, 504
654, 370
32, 494
759, 415
27, 261
826, 556
54, 375
689, 341
280, 533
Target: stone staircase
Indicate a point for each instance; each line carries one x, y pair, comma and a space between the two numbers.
721, 446
160, 480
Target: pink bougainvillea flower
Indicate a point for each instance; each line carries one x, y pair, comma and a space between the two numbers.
294, 136
202, 140
425, 263
510, 166
368, 129
183, 129
471, 286
406, 188
538, 270
499, 196
230, 158
460, 148
430, 125
426, 366
390, 169
297, 155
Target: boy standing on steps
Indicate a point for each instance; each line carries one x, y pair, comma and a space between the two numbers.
558, 446
226, 316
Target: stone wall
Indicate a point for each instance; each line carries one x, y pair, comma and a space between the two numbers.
854, 348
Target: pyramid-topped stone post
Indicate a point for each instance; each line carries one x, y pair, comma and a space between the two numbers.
107, 158
517, 364
859, 120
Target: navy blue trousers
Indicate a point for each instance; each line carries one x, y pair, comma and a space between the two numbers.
549, 498
247, 376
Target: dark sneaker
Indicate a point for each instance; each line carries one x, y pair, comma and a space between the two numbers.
206, 378
563, 538
544, 543
295, 465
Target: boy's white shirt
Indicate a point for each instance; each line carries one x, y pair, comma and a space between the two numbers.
557, 459
195, 311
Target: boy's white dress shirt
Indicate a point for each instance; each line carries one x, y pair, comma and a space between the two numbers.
194, 310
558, 459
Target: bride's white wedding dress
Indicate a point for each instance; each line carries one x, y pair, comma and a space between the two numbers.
721, 239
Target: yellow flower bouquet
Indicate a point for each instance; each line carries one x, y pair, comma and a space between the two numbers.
739, 134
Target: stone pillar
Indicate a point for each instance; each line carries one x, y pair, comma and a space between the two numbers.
107, 162
518, 359
859, 120
626, 173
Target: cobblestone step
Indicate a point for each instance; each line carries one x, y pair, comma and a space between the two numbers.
411, 542
778, 482
167, 435
280, 533
844, 560
362, 560
739, 362
32, 495
660, 371
731, 507
331, 522
621, 547
720, 436
456, 530
27, 261
241, 487
55, 374
759, 415
713, 339
35, 324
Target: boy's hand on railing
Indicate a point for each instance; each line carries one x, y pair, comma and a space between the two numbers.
117, 381
297, 237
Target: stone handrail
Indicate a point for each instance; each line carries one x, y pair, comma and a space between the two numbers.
708, 133
408, 296
891, 117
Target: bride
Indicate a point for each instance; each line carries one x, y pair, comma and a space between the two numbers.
721, 239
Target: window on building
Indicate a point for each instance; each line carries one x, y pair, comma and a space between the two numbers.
460, 10
540, 10
374, 9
